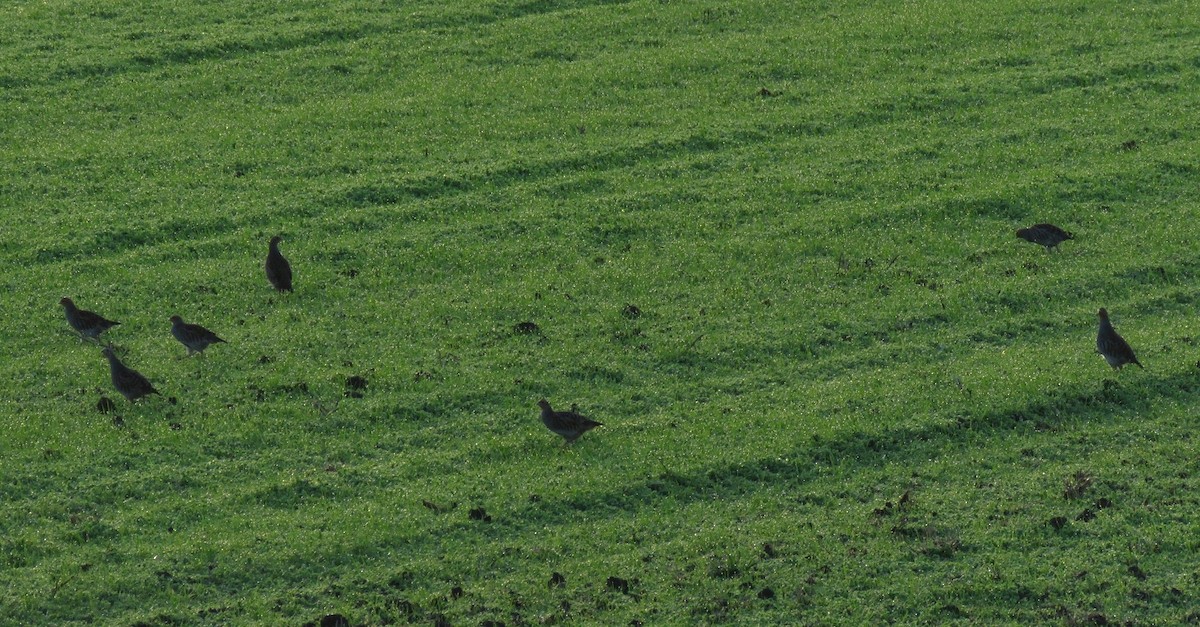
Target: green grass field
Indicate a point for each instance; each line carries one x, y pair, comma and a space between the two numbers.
770, 245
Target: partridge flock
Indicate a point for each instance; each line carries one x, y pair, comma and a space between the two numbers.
133, 384
570, 425
1115, 350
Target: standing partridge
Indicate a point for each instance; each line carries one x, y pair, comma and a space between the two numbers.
279, 271
129, 382
195, 337
1047, 235
1112, 346
86, 323
568, 424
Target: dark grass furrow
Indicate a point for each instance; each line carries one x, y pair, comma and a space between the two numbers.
232, 49
430, 186
794, 469
195, 53
117, 240
505, 11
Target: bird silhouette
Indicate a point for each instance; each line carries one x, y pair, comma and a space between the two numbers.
195, 337
129, 382
1112, 346
1046, 235
86, 323
569, 424
279, 271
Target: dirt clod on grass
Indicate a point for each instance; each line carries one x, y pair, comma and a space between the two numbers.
355, 385
526, 328
618, 584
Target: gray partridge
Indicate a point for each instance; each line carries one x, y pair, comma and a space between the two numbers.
1112, 346
86, 323
195, 337
279, 271
568, 424
1046, 235
129, 382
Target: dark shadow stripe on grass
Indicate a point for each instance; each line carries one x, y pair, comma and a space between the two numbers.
118, 239
238, 48
795, 468
198, 53
426, 186
922, 103
501, 13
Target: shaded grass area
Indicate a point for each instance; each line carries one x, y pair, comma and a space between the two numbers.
770, 249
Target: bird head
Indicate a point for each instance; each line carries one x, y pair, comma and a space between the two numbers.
1103, 313
275, 240
544, 404
176, 320
66, 302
